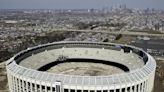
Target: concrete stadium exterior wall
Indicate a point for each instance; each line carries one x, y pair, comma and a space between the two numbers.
22, 79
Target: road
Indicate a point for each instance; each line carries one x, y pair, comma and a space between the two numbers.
109, 32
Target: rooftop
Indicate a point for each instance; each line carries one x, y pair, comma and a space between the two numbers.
130, 60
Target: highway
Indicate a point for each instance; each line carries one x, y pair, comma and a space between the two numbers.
109, 32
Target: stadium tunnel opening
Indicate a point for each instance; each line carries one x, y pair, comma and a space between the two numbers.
81, 60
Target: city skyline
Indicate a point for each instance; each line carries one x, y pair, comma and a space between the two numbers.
79, 4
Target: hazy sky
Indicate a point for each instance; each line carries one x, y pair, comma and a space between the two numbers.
80, 4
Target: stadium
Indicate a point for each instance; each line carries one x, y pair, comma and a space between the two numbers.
81, 67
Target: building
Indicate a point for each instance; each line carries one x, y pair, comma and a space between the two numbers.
27, 72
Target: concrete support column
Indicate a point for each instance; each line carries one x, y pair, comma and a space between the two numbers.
126, 89
135, 88
27, 87
69, 90
142, 90
9, 77
63, 90
31, 87
131, 89
120, 90
19, 82
35, 87
45, 88
114, 87
51, 87
16, 85
146, 86
40, 87
12, 84
139, 89
23, 86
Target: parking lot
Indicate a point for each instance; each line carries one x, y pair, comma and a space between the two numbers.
153, 46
